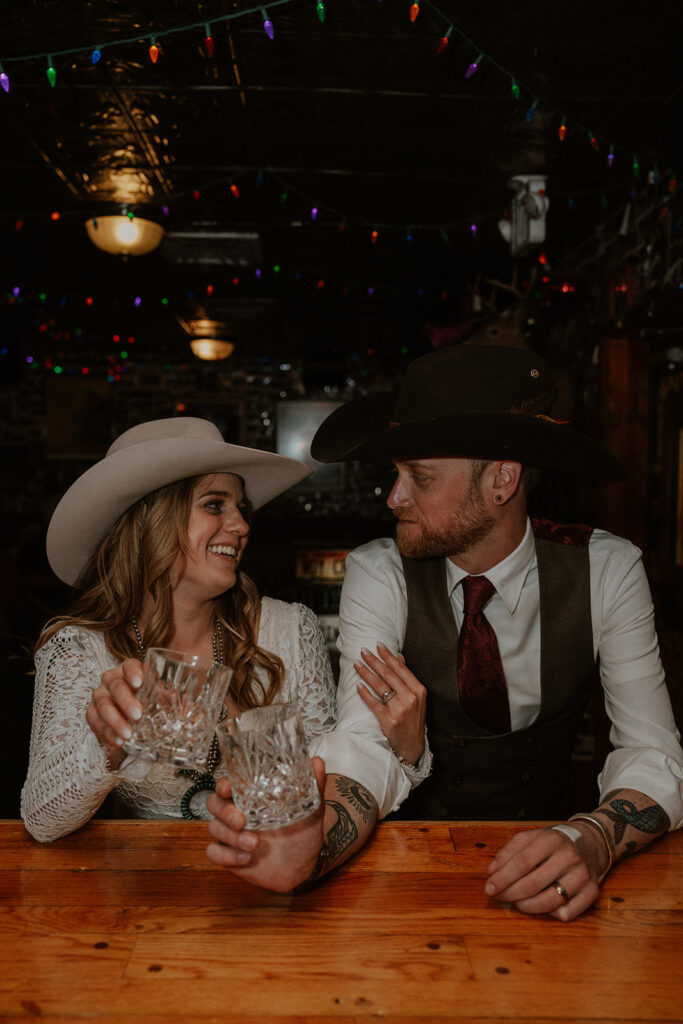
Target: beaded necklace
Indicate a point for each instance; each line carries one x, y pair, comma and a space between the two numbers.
203, 780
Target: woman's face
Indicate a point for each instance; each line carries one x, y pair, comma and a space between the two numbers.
217, 534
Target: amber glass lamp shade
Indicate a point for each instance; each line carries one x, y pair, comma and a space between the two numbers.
124, 236
211, 348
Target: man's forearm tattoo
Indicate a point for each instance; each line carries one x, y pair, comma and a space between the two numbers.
652, 820
358, 796
343, 833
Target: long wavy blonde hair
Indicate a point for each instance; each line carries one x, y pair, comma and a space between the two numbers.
133, 560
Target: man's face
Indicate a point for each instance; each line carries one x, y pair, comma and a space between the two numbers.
439, 509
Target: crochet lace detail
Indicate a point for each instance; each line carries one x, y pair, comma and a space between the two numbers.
68, 775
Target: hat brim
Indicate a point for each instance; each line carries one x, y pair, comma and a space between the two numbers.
360, 430
96, 499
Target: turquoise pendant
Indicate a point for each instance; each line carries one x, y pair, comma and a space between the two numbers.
204, 782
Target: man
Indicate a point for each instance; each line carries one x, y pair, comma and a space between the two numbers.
500, 623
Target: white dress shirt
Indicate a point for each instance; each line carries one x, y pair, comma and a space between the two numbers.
647, 754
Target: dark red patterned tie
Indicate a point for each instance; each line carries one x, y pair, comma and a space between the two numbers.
481, 682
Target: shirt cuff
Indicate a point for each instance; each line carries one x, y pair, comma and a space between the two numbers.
647, 771
367, 761
422, 769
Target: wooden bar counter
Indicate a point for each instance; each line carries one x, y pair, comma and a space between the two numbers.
127, 921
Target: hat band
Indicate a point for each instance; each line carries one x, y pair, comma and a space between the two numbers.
536, 416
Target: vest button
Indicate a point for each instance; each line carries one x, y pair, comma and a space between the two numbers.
457, 782
531, 740
460, 742
526, 777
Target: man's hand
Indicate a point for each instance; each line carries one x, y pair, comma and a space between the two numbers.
528, 868
283, 858
277, 859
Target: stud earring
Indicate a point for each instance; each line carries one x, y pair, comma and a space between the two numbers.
498, 498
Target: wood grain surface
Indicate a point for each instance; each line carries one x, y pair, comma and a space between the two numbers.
127, 921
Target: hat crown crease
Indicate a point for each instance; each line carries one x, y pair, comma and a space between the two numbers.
173, 429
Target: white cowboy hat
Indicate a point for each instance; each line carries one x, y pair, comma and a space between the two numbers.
143, 459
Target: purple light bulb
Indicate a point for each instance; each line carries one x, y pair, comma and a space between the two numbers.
474, 66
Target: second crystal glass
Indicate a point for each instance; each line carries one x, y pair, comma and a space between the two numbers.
266, 757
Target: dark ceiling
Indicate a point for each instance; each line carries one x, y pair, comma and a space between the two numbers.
356, 115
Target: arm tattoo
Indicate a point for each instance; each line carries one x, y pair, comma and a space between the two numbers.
358, 796
652, 820
343, 833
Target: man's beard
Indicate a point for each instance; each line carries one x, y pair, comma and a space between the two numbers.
468, 526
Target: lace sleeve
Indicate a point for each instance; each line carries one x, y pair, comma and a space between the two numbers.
68, 777
316, 693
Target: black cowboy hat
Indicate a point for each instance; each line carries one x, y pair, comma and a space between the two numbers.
482, 402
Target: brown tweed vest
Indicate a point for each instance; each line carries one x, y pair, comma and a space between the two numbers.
521, 774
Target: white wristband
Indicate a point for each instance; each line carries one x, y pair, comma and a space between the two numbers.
569, 831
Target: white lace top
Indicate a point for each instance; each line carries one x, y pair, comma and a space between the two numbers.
68, 775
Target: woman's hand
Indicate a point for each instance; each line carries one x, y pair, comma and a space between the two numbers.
401, 716
113, 707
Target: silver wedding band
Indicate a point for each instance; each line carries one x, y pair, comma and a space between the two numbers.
387, 695
560, 890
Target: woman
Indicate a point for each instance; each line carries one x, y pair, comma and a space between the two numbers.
152, 537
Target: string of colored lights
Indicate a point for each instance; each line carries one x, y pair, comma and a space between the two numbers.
96, 50
517, 87
535, 100
315, 212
